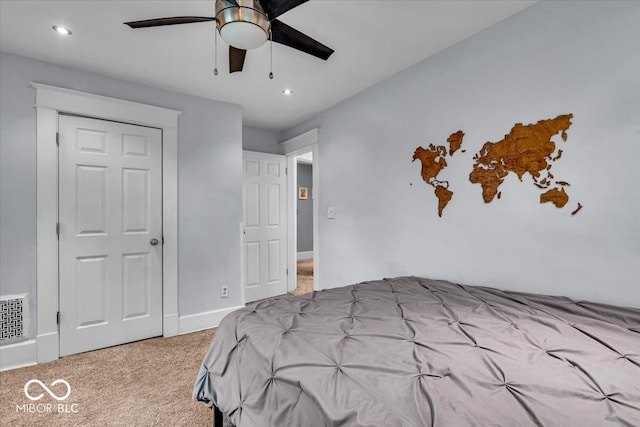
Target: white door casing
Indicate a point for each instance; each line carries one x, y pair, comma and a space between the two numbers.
265, 225
293, 147
50, 101
110, 209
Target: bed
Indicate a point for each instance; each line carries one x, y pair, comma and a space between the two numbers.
416, 352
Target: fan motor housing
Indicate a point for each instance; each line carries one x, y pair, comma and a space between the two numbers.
245, 26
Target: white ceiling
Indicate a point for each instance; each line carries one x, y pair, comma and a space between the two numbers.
372, 39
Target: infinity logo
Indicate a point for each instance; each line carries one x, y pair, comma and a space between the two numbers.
52, 394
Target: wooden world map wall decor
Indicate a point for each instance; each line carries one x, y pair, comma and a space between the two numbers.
526, 149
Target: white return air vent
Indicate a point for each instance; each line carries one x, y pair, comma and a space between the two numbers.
14, 318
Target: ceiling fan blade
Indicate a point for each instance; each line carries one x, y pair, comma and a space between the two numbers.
275, 8
236, 59
288, 36
158, 22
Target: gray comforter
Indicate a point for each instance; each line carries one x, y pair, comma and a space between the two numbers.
416, 352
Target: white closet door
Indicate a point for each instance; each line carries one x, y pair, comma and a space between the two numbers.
110, 214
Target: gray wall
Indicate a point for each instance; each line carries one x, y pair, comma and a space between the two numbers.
210, 181
305, 209
261, 140
552, 58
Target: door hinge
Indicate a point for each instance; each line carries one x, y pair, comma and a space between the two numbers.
58, 230
58, 139
162, 240
287, 271
286, 171
58, 318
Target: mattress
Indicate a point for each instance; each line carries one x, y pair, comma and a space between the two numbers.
415, 352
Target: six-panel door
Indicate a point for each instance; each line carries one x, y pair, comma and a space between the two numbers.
110, 210
265, 225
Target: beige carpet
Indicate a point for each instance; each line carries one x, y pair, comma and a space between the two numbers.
305, 277
146, 383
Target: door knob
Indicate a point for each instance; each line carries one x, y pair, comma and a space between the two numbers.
153, 242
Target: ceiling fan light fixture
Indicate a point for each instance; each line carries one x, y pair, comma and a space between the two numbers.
243, 35
245, 26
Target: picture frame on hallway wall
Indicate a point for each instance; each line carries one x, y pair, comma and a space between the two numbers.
303, 193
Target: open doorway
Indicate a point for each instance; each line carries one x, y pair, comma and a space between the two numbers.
304, 223
294, 148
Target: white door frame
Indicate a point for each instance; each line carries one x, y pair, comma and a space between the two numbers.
293, 147
50, 101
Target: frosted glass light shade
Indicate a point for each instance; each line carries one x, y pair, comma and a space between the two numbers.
243, 35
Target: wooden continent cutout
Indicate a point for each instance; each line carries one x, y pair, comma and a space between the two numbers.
526, 149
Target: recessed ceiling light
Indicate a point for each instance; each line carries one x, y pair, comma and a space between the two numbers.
62, 30
287, 91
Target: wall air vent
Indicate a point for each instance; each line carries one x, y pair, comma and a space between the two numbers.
14, 318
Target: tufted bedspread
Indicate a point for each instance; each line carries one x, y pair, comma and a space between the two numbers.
416, 352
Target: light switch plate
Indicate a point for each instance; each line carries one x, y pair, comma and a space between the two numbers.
331, 213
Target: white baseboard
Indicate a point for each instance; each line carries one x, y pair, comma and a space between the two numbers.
26, 353
18, 355
206, 320
170, 325
31, 352
305, 255
48, 347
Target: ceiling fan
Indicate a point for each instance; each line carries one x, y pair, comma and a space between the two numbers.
248, 24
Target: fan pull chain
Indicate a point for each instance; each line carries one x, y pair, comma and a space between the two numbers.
215, 55
270, 55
